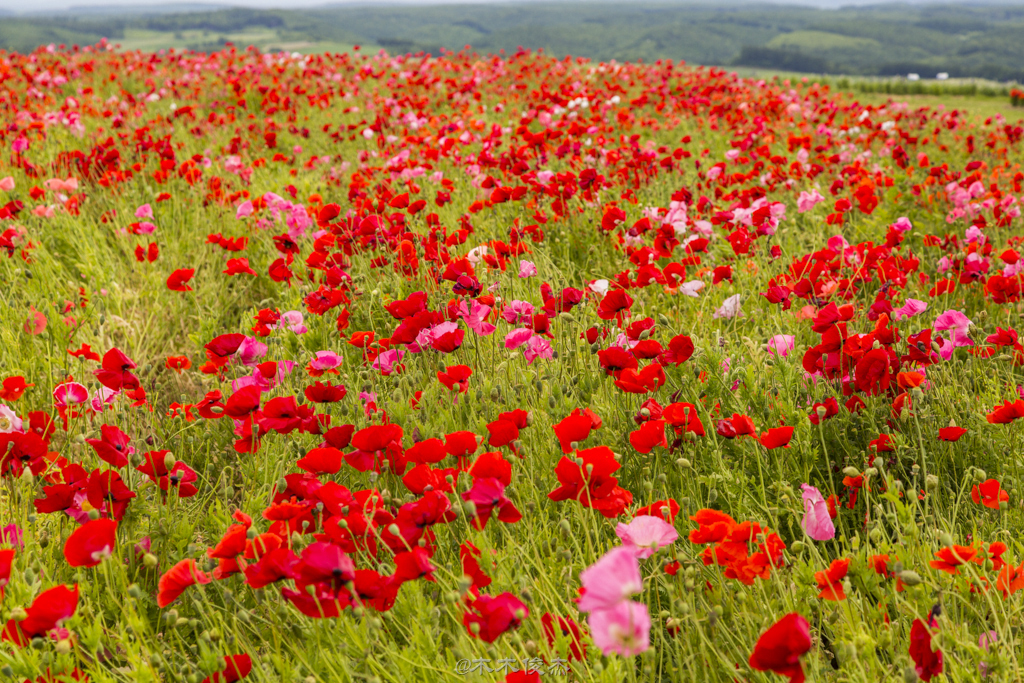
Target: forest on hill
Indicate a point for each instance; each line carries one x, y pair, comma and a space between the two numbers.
980, 41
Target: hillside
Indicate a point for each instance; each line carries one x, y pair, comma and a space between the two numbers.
964, 41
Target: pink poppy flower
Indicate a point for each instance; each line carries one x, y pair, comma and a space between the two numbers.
909, 309
808, 200
475, 316
816, 522
527, 269
293, 321
730, 308
957, 323
517, 312
70, 393
387, 360
645, 534
325, 360
250, 351
144, 211
537, 347
9, 420
781, 344
518, 337
35, 323
611, 580
623, 629
7, 184
245, 209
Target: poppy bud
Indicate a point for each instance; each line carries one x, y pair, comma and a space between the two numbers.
931, 482
94, 514
797, 546
135, 591
684, 463
909, 578
563, 526
945, 539
19, 614
530, 647
150, 560
910, 675
851, 471
470, 508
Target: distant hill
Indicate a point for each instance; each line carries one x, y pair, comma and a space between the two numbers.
964, 40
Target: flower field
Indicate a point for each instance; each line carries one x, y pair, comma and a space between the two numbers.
369, 368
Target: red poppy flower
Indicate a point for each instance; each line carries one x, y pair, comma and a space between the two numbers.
90, 543
84, 351
238, 266
427, 451
456, 378
47, 612
460, 444
649, 435
112, 447
6, 560
777, 437
114, 372
178, 280
236, 667
990, 494
13, 388
665, 509
1006, 413
927, 663
572, 429
487, 495
830, 581
493, 616
469, 557
569, 629
737, 425
502, 433
684, 416
492, 465
243, 402
951, 557
780, 647
178, 363
178, 578
321, 461
823, 411
614, 304
951, 433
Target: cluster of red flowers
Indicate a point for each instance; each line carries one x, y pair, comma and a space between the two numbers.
729, 544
